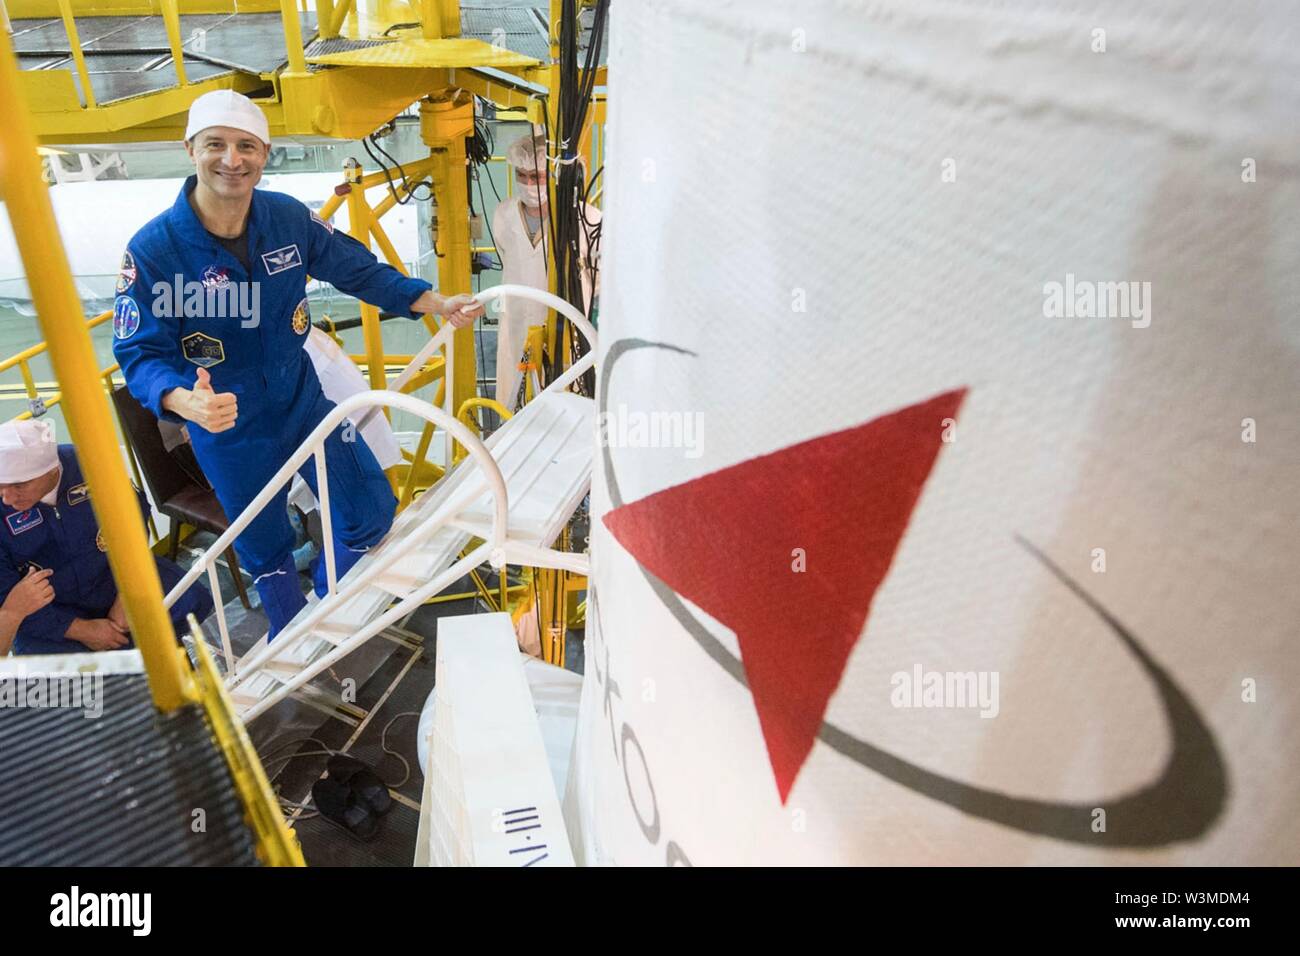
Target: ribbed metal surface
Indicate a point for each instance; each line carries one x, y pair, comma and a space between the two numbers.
339, 45
31, 36
521, 29
150, 33
118, 790
251, 42
111, 86
515, 28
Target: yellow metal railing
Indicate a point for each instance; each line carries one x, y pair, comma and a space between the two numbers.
22, 361
79, 60
276, 843
72, 356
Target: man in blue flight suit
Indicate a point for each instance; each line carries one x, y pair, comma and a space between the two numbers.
47, 527
209, 326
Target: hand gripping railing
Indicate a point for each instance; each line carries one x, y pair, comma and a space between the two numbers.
444, 337
491, 549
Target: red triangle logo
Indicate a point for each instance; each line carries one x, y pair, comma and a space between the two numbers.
733, 542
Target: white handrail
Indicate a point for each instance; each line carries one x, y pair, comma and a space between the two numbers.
444, 337
399, 610
313, 445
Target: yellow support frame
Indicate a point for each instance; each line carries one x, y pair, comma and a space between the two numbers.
276, 843
78, 58
73, 358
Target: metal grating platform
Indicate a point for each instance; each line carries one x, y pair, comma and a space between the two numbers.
515, 28
519, 29
120, 789
252, 42
129, 56
320, 47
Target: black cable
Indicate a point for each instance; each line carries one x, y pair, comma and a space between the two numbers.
406, 183
587, 194
569, 224
487, 220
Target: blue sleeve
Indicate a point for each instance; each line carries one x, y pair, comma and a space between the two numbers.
50, 623
146, 340
351, 268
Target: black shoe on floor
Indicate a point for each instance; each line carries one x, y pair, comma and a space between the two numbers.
365, 783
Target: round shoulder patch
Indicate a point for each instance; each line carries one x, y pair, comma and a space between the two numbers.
126, 317
301, 318
126, 277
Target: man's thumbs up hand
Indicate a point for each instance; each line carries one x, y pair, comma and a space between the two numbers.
211, 410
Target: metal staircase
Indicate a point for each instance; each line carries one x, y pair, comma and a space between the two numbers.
504, 503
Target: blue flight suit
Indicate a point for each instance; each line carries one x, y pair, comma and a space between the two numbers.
65, 537
162, 336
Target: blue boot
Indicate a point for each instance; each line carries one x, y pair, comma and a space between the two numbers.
282, 596
344, 559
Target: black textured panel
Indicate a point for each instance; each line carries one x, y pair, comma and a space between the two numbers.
252, 42
339, 45
19, 27
515, 28
43, 61
150, 33
113, 85
521, 29
485, 19
53, 38
117, 790
124, 61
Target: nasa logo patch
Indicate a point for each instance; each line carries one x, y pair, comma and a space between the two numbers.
21, 521
216, 277
301, 317
203, 350
282, 259
329, 226
78, 493
126, 317
126, 277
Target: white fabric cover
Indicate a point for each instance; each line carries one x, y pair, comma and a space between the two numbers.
776, 206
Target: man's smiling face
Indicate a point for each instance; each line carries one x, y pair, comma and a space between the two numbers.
228, 161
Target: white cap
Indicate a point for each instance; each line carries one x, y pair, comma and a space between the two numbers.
527, 152
227, 108
27, 450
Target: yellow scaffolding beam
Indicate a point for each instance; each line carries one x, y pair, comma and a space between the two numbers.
73, 358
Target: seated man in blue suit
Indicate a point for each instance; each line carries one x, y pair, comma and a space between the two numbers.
47, 525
